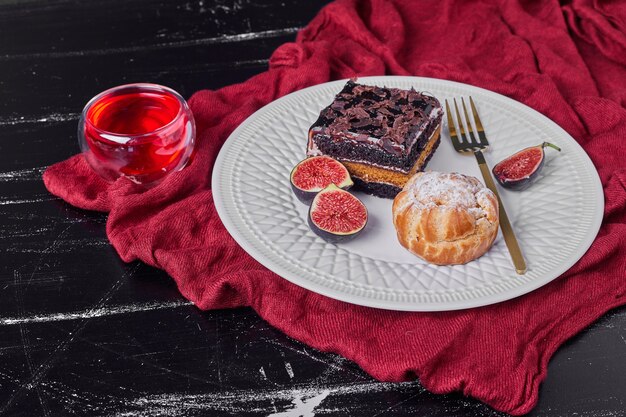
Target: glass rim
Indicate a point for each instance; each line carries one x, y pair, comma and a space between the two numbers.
139, 86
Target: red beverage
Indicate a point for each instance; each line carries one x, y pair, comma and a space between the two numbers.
140, 131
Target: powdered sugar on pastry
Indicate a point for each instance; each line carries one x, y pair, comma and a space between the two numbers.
449, 191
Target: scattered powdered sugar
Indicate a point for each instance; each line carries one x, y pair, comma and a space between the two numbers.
449, 191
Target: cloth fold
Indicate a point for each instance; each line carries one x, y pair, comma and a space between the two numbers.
566, 61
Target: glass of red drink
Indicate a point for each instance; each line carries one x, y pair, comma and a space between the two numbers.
140, 131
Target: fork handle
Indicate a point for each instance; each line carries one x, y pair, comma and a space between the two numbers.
505, 224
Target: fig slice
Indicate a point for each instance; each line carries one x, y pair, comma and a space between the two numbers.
519, 170
312, 175
336, 215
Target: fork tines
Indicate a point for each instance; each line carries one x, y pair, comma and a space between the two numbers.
468, 141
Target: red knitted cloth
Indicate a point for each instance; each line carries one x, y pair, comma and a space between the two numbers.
568, 62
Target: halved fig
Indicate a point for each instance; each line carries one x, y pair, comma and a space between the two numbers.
519, 170
314, 174
336, 215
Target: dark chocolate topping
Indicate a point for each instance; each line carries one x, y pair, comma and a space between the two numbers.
392, 115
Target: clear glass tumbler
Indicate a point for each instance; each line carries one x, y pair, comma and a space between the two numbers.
140, 131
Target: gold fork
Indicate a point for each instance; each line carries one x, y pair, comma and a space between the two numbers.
474, 145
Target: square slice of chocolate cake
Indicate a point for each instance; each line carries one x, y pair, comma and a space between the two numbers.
382, 135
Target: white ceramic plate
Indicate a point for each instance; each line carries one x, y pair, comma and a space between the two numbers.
556, 219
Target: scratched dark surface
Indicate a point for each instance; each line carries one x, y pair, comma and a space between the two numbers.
82, 333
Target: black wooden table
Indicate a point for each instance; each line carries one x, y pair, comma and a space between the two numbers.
82, 333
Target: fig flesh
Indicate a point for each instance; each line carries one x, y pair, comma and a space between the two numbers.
336, 215
312, 175
521, 169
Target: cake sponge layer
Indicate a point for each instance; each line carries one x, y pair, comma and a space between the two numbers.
370, 173
377, 189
